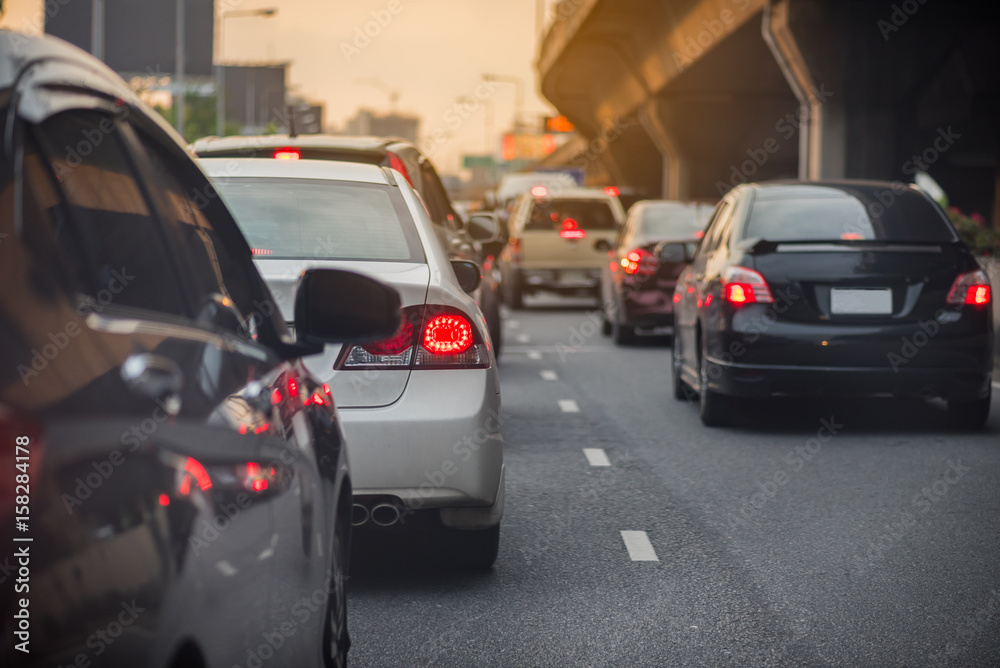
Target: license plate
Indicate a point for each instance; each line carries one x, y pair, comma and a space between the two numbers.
573, 276
861, 302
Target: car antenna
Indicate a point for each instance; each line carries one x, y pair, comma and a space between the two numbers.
291, 123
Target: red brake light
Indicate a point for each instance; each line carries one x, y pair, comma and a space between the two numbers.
326, 390
397, 163
971, 288
539, 191
261, 251
700, 234
287, 154
745, 286
639, 262
448, 335
164, 500
573, 234
275, 396
293, 387
196, 470
612, 191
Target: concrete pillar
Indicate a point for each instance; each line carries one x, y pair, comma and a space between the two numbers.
675, 169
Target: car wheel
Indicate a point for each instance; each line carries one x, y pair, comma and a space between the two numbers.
337, 640
474, 549
493, 322
714, 408
606, 325
513, 294
623, 335
969, 414
681, 390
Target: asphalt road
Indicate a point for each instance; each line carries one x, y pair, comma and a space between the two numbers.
877, 546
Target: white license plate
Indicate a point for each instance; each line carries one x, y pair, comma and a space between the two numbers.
573, 276
861, 302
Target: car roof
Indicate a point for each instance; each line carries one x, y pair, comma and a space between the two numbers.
577, 193
786, 189
366, 144
333, 170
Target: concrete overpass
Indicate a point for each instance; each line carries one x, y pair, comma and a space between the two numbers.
684, 98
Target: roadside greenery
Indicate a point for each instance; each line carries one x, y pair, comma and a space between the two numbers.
974, 231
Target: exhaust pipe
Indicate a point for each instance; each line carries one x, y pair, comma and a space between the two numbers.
385, 514
359, 514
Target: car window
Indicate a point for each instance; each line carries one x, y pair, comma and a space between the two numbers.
722, 216
670, 221
322, 219
117, 248
847, 216
583, 214
435, 196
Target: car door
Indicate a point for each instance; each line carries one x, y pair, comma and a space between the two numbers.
152, 413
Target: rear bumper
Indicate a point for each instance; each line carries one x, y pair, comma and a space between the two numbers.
747, 380
438, 446
646, 307
560, 279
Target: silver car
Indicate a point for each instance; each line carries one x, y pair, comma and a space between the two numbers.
421, 410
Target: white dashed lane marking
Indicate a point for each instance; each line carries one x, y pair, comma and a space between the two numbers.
596, 457
568, 406
513, 324
523, 338
534, 355
548, 375
638, 546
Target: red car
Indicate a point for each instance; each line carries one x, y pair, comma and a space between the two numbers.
655, 243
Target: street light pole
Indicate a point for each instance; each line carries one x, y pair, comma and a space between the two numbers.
97, 29
518, 95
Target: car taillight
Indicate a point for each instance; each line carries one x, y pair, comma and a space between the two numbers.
611, 191
287, 154
573, 234
970, 288
430, 337
745, 286
397, 163
639, 262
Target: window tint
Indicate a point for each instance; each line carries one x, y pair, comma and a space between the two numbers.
320, 219
848, 216
102, 219
583, 214
716, 228
435, 196
669, 221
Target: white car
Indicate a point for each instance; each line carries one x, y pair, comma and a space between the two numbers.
421, 410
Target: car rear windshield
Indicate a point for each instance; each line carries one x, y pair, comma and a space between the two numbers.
324, 220
557, 214
674, 221
855, 216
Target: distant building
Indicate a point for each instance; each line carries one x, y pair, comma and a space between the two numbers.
366, 123
255, 96
139, 36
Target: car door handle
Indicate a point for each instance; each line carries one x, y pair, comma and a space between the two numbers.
152, 376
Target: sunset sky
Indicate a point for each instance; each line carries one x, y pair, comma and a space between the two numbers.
431, 51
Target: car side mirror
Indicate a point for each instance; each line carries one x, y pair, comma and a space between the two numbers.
602, 245
468, 275
484, 227
336, 306
673, 254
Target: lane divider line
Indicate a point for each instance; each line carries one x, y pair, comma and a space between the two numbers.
568, 406
534, 355
638, 546
548, 375
523, 338
596, 457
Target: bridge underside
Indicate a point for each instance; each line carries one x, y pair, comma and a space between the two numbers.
685, 98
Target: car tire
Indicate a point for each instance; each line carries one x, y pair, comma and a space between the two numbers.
471, 549
336, 639
623, 335
682, 392
970, 414
606, 325
513, 293
493, 322
713, 408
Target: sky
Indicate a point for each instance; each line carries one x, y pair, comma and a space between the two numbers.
433, 52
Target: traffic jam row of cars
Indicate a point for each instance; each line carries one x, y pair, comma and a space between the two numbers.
222, 361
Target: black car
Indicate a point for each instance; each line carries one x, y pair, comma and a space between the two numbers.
462, 240
652, 248
176, 490
849, 288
